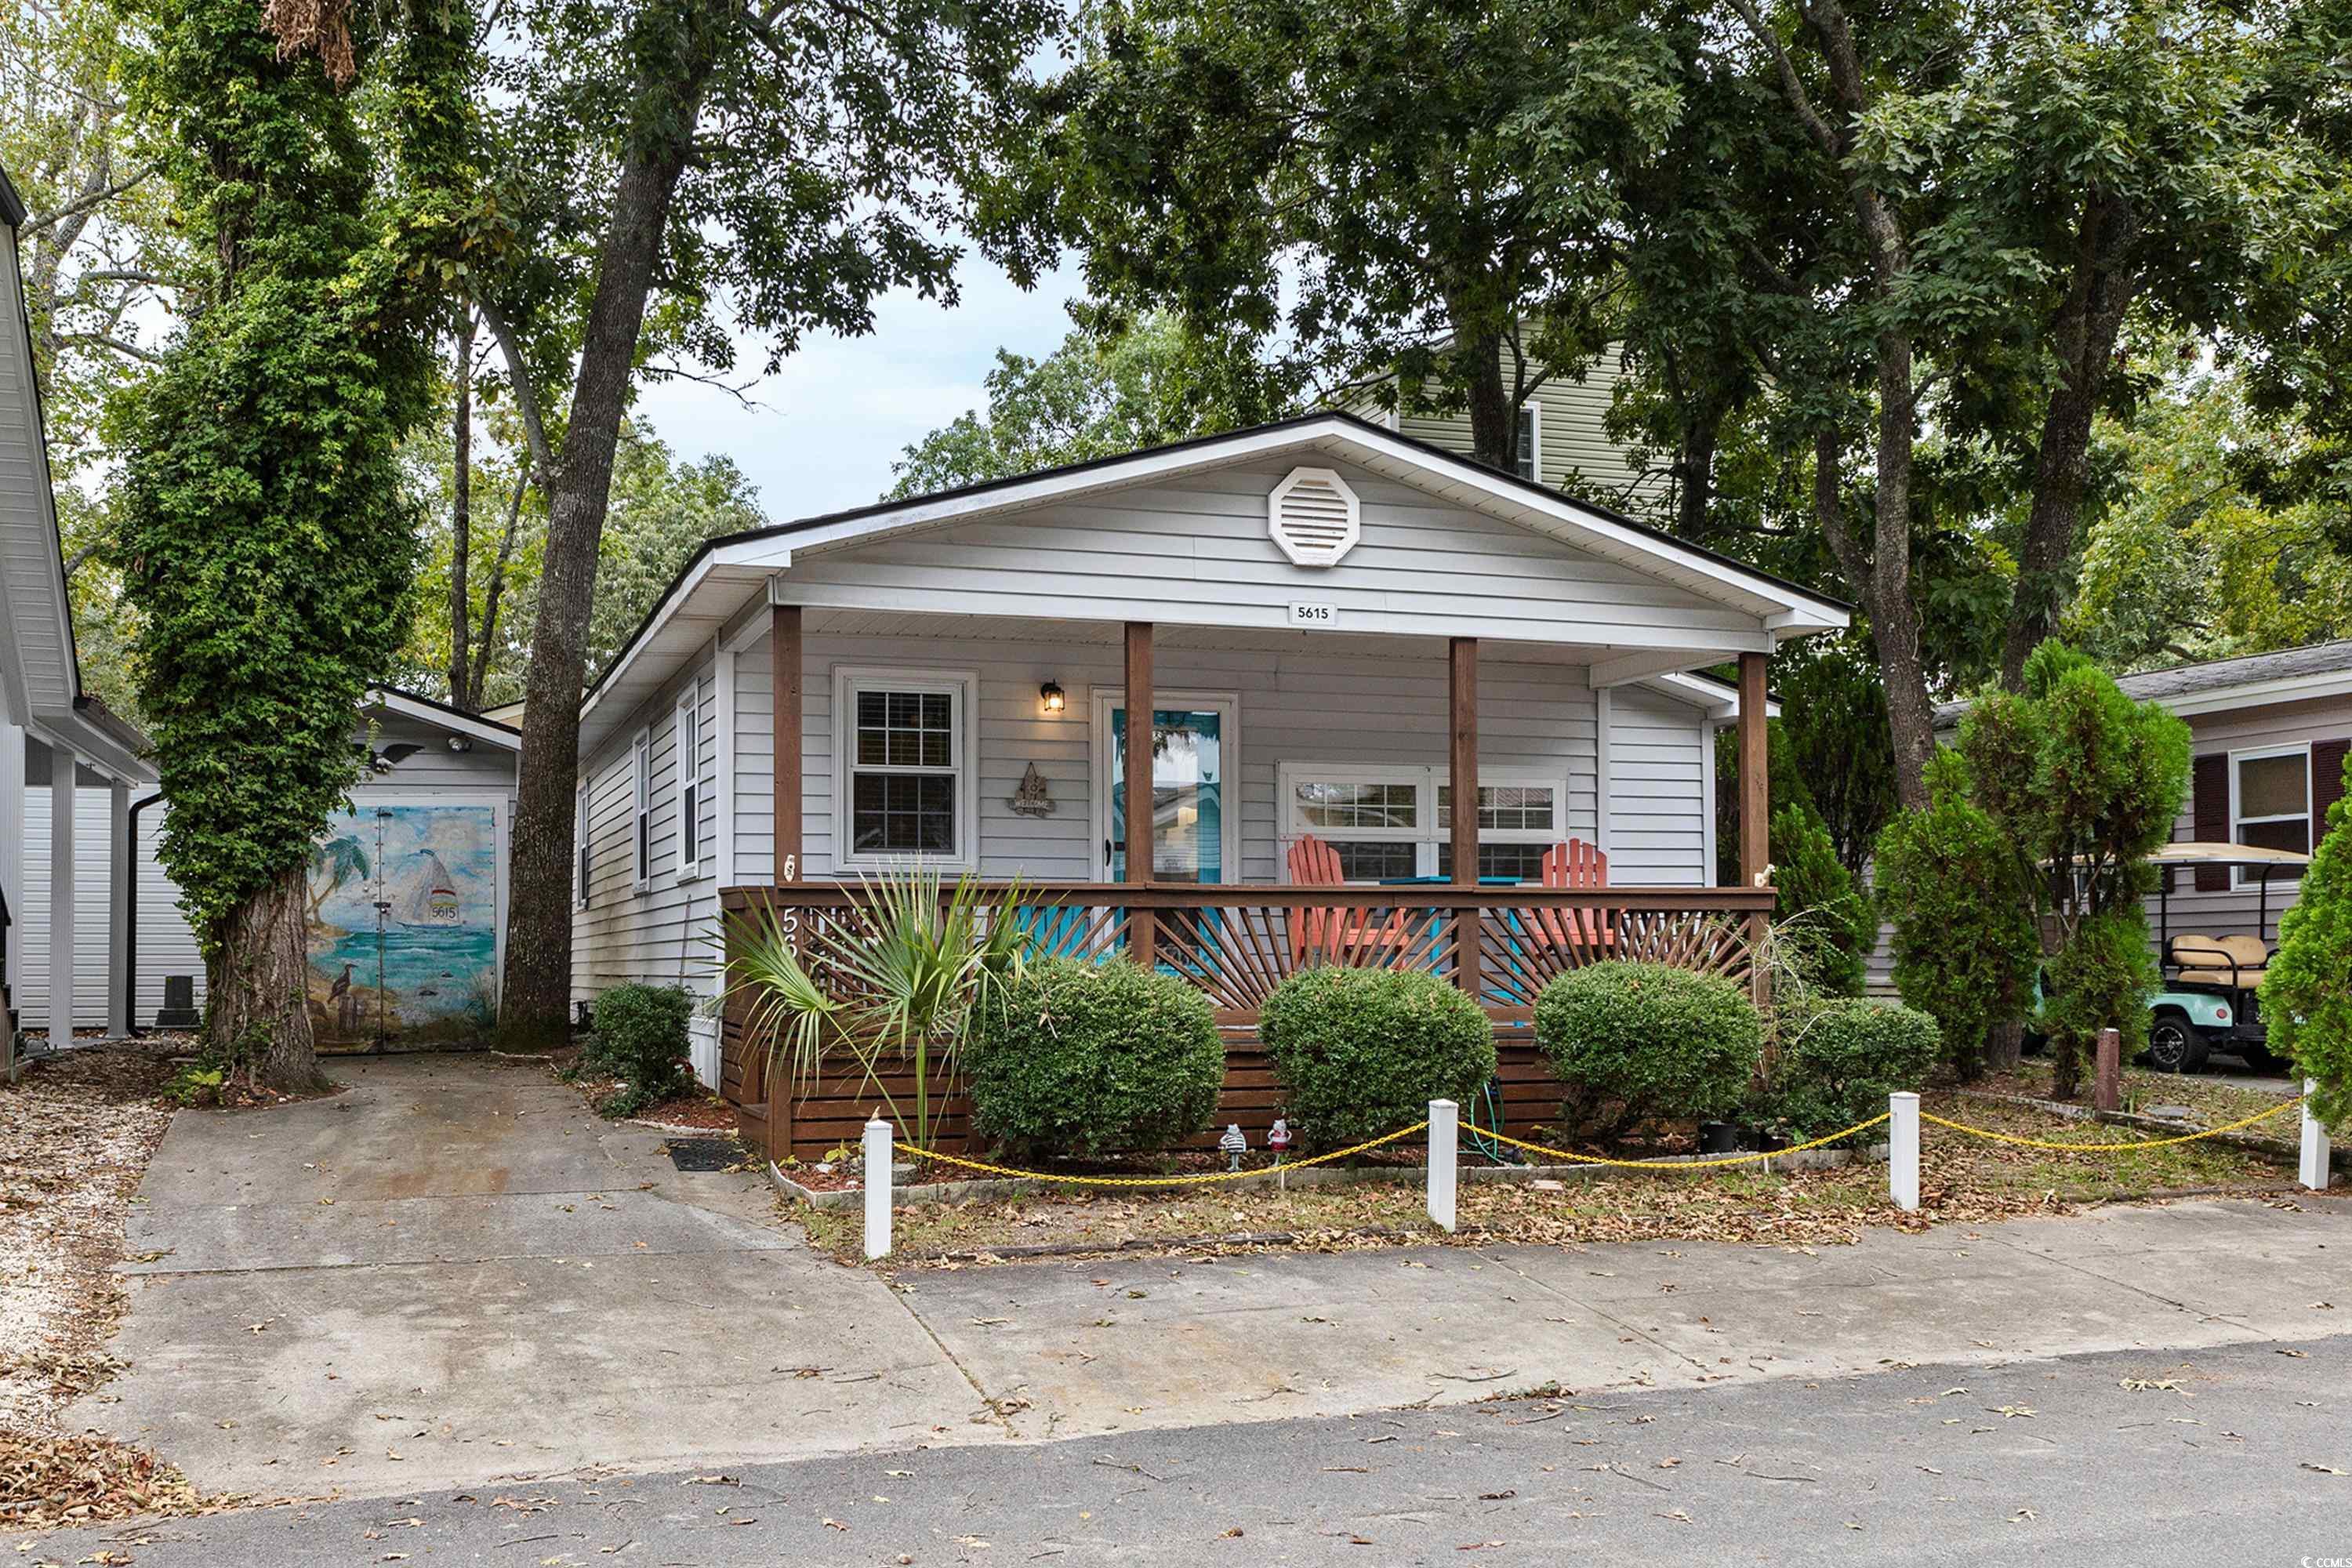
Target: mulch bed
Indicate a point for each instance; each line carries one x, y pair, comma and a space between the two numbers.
76, 1135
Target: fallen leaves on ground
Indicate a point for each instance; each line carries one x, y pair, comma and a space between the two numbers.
1962, 1180
76, 1132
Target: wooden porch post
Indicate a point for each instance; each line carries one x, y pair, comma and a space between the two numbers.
784, 669
1462, 704
1755, 805
1143, 937
784, 719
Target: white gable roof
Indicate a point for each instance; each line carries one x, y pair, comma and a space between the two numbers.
729, 574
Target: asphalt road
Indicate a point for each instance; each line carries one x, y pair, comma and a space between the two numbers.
2236, 1455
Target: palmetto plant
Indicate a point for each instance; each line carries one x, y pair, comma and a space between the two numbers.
896, 977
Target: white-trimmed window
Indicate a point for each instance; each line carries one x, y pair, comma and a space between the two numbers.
1531, 457
904, 767
581, 857
1387, 822
688, 773
641, 810
2270, 805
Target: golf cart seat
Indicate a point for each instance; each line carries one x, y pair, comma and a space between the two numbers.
2233, 960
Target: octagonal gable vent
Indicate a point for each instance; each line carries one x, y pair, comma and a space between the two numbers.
1314, 517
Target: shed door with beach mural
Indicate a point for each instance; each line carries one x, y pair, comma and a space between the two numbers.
404, 926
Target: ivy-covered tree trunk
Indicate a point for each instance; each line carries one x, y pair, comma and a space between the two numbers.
257, 1011
267, 538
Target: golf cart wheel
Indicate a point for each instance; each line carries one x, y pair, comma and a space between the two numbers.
2174, 1043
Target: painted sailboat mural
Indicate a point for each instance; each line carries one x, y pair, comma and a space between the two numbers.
432, 902
404, 933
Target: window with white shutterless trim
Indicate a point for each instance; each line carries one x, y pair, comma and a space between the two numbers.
2270, 806
1386, 821
1529, 462
581, 856
904, 773
686, 769
641, 810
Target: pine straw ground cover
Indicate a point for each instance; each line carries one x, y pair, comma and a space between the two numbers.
1961, 1179
76, 1134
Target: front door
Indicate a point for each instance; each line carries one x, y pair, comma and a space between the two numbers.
1192, 831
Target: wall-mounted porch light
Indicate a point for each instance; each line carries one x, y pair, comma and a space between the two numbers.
1050, 697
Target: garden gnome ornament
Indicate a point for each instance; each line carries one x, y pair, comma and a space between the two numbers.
1279, 1139
1233, 1144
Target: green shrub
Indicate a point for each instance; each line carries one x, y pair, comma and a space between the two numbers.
640, 1038
1363, 1051
1840, 1060
2307, 991
1655, 1041
1829, 927
1076, 1057
1949, 879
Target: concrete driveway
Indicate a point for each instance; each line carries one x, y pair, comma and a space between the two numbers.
453, 1275
452, 1272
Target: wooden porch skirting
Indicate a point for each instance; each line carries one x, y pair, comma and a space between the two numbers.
1236, 944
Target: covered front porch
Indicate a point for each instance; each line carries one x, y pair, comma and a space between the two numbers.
1001, 749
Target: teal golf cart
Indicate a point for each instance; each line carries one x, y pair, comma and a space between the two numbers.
2208, 1001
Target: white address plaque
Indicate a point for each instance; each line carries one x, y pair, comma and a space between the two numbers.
1305, 614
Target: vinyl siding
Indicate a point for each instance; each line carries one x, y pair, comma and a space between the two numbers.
1197, 552
1301, 706
1657, 803
657, 935
1574, 449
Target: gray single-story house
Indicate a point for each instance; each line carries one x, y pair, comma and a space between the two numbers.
1337, 625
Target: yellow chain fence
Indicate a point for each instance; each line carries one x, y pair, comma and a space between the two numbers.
1567, 1156
2112, 1148
1198, 1178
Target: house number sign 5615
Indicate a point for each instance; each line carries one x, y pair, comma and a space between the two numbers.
1308, 613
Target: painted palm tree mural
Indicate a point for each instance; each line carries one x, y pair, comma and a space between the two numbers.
404, 927
335, 861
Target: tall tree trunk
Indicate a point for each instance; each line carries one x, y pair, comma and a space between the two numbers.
1695, 470
536, 996
1477, 369
1882, 579
461, 517
487, 639
258, 1006
2088, 322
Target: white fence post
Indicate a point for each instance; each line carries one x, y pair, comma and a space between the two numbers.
1903, 1148
1445, 1134
877, 1188
2313, 1173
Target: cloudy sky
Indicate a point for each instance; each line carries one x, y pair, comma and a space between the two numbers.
828, 425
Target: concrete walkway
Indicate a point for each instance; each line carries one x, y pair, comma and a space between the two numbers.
453, 1274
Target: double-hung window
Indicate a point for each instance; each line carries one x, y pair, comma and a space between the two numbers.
581, 858
905, 766
2270, 805
1387, 822
640, 811
1529, 462
688, 773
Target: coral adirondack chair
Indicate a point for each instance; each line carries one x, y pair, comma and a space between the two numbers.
1340, 935
1574, 863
